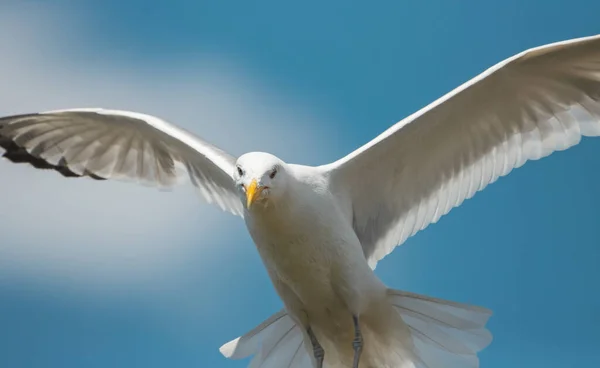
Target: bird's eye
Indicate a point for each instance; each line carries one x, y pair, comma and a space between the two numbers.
273, 173
240, 171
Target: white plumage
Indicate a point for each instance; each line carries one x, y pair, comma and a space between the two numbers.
321, 230
122, 145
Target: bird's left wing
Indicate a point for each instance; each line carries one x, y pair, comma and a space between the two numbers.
122, 145
524, 108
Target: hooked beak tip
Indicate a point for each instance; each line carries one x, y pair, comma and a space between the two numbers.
252, 192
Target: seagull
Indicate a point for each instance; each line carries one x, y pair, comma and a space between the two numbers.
320, 231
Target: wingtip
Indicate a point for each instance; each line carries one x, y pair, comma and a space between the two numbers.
228, 349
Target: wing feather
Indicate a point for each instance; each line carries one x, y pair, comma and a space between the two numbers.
537, 102
112, 144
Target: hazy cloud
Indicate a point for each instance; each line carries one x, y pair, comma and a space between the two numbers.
111, 233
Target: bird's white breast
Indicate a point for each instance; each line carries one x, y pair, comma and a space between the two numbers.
309, 245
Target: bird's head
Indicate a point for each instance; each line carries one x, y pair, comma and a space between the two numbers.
261, 178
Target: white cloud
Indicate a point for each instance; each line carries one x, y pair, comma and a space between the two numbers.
109, 233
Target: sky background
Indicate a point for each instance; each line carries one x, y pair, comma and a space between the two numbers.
116, 275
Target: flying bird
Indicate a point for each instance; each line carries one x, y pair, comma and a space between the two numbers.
320, 231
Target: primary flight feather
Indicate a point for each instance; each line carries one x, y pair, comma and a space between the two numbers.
320, 231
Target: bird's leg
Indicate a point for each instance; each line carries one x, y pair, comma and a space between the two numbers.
357, 343
317, 348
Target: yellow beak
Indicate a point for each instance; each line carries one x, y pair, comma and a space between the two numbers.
252, 192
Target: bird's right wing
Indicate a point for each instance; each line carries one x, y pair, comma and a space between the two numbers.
524, 108
122, 145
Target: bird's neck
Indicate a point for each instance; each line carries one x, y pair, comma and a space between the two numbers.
283, 209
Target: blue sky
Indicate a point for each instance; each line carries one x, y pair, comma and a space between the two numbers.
118, 275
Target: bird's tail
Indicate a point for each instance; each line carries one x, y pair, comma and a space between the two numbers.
443, 333
275, 343
425, 333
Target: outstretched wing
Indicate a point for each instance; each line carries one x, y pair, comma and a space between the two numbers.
111, 144
524, 108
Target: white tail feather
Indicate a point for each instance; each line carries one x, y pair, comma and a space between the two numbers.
445, 333
275, 343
